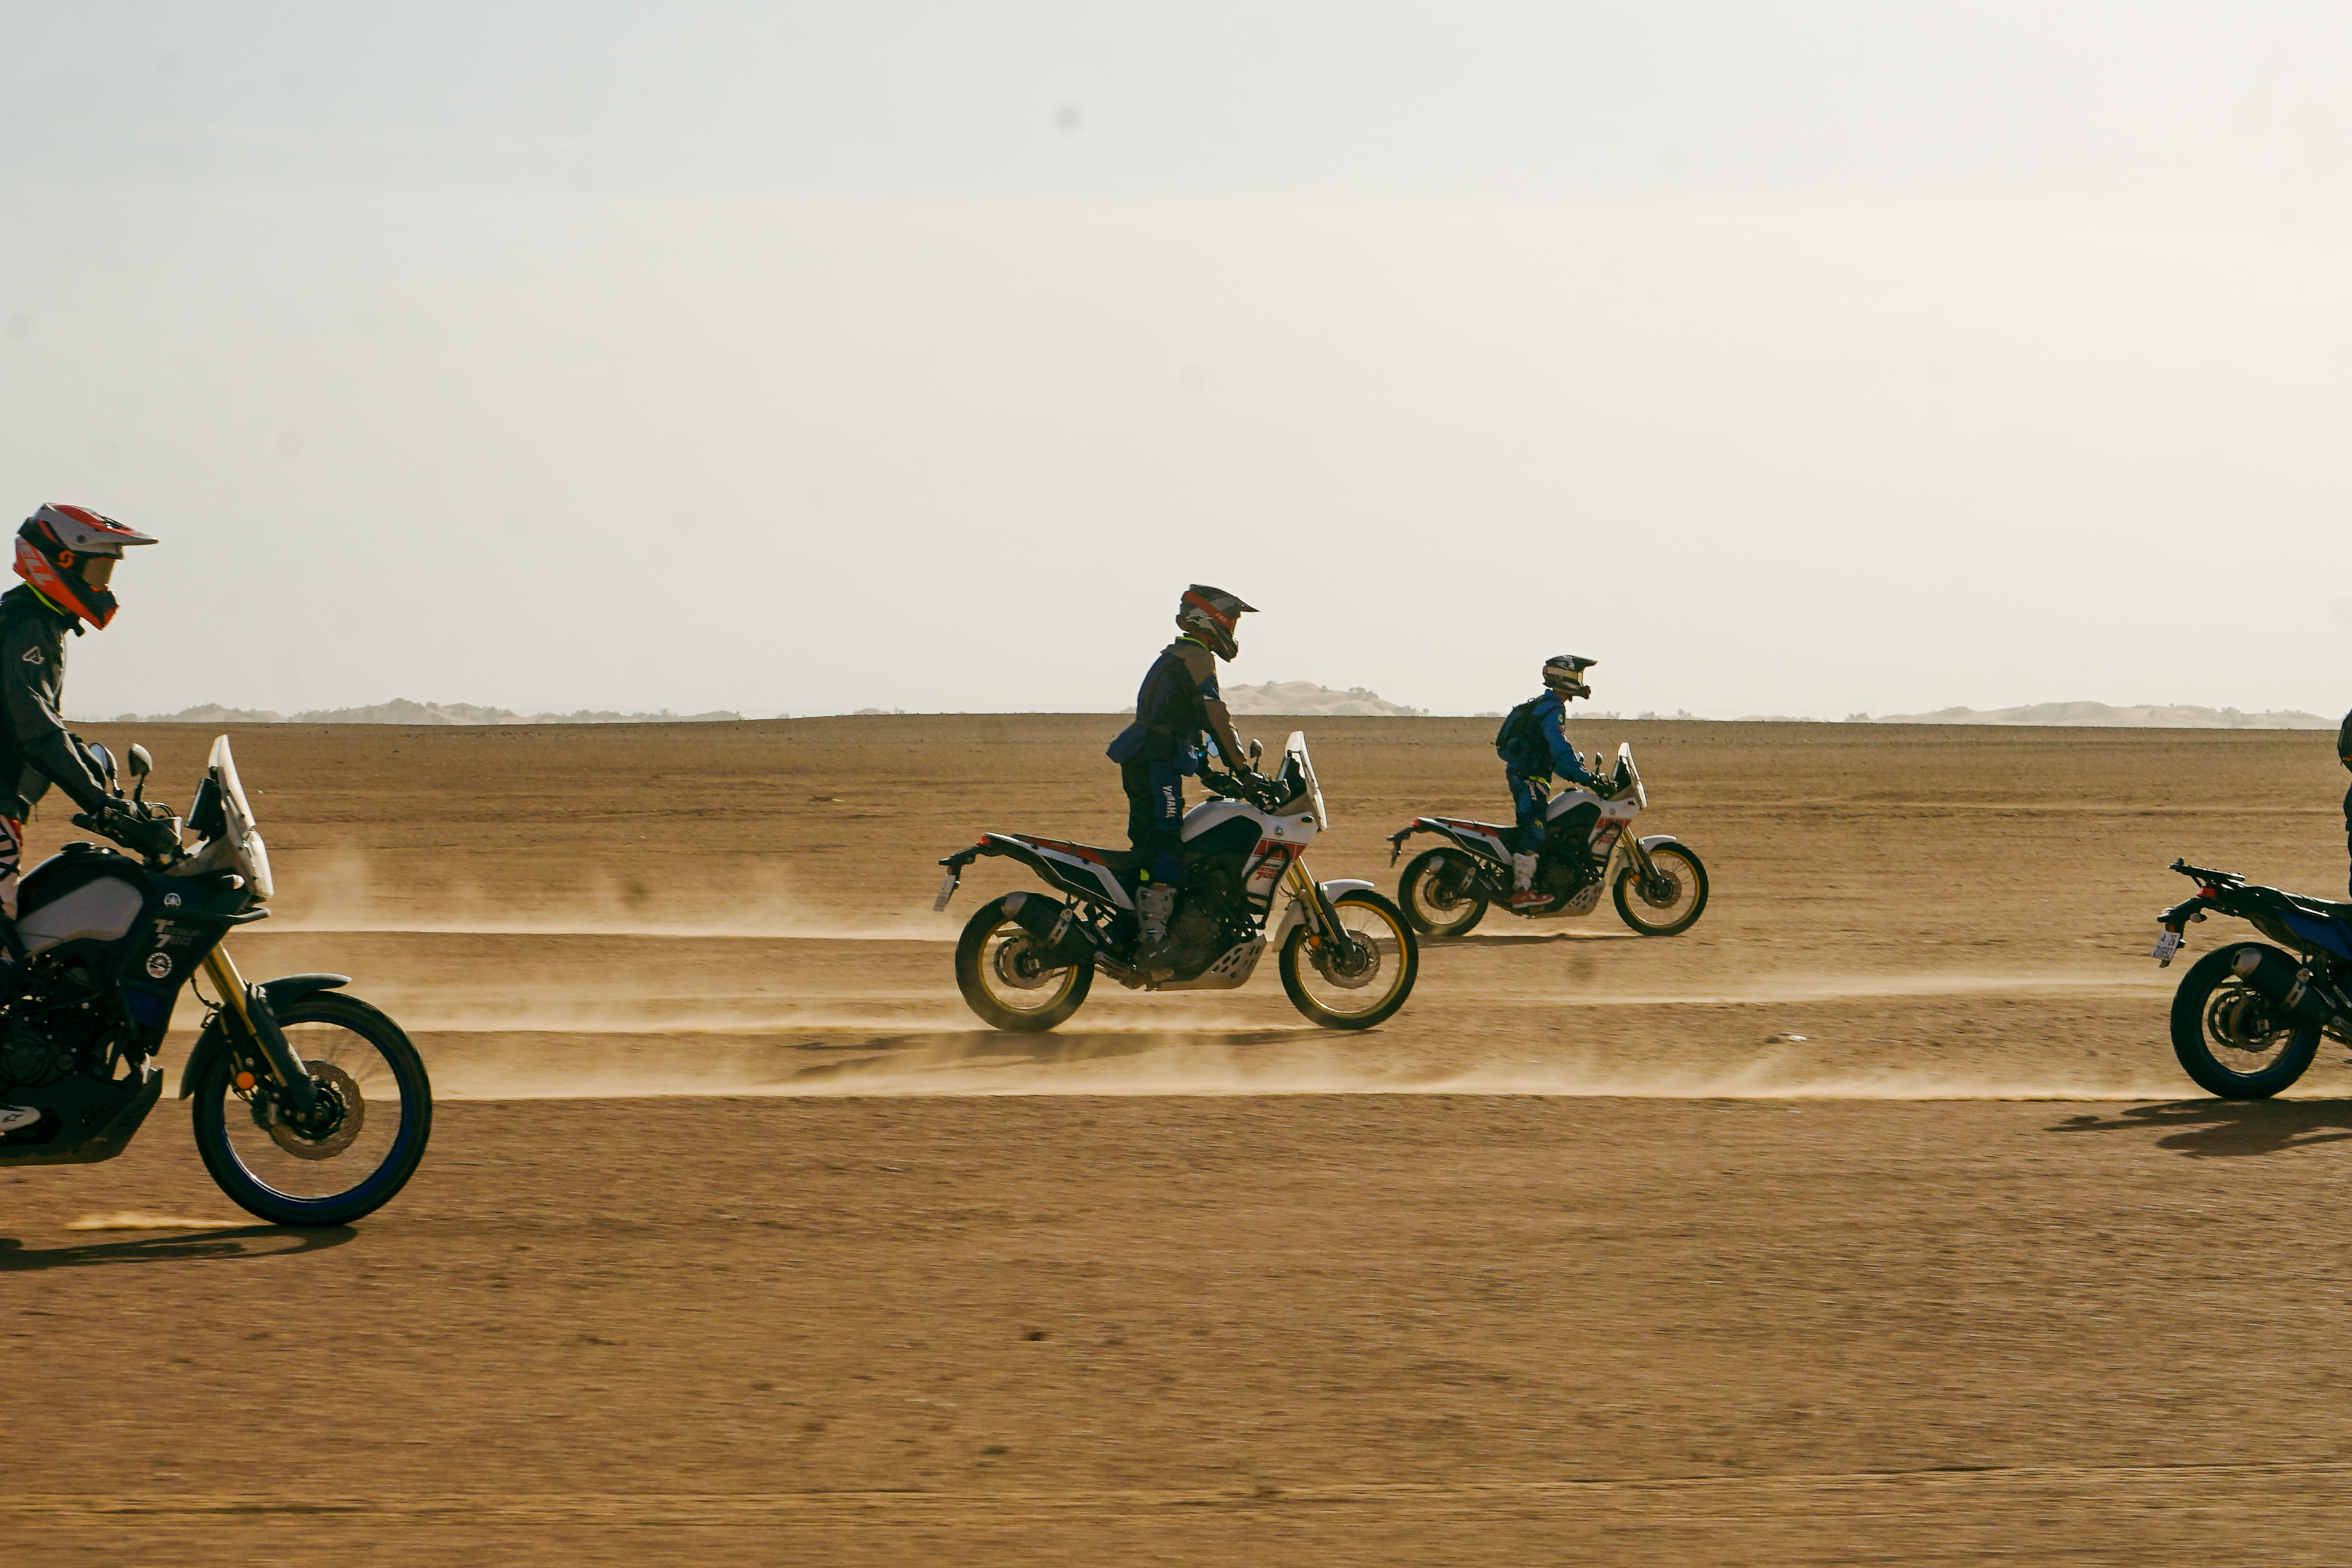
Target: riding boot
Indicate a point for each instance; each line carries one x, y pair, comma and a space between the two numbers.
1523, 876
1155, 902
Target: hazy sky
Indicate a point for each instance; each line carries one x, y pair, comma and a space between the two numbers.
1809, 358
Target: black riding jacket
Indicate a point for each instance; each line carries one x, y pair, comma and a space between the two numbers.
34, 751
1179, 699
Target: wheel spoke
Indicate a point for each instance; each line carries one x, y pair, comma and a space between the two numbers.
1013, 978
1669, 899
352, 1065
1363, 975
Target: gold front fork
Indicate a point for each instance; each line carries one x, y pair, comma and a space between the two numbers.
1303, 889
221, 970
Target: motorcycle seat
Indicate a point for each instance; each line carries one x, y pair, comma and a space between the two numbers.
2322, 907
1117, 859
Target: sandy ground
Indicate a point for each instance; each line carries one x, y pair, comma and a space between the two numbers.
1869, 1221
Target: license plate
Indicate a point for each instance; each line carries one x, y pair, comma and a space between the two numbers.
2168, 942
947, 887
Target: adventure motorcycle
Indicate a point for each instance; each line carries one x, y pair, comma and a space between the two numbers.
1659, 886
1347, 959
311, 1108
2247, 1018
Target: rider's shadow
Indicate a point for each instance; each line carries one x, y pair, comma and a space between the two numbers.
229, 1243
2228, 1129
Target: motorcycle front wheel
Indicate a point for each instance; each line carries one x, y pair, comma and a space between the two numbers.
1670, 908
1431, 909
2229, 1038
997, 971
379, 1115
1363, 983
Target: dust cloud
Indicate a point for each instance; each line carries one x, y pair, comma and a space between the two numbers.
346, 891
1146, 1061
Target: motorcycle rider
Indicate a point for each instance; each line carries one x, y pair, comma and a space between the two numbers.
2344, 755
1533, 743
1176, 703
66, 555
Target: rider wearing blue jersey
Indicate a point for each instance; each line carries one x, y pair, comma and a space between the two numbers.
1533, 745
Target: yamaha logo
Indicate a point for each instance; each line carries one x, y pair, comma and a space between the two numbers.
170, 900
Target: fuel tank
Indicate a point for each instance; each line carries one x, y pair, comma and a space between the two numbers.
82, 896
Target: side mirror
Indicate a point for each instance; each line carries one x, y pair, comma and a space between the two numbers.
1257, 750
105, 761
140, 764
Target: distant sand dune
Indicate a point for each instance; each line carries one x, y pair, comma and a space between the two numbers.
1306, 697
2143, 715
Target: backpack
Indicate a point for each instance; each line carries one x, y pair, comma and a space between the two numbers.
1520, 742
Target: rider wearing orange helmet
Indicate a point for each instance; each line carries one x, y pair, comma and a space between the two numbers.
1178, 703
67, 556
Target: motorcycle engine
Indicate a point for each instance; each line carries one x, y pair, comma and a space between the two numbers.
1209, 918
47, 1034
1564, 876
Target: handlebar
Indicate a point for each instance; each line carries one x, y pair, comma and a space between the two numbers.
1256, 791
122, 825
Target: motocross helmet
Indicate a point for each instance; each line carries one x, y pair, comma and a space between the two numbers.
1564, 673
68, 554
1210, 615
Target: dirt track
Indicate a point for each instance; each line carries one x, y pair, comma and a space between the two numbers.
1153, 1285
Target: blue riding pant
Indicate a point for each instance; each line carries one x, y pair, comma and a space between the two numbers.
1155, 816
1529, 799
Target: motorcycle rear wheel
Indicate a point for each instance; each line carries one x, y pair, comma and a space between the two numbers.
352, 1049
1004, 995
1679, 864
2223, 1033
1421, 894
1368, 990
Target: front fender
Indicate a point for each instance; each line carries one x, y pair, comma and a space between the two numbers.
282, 992
1294, 917
1654, 839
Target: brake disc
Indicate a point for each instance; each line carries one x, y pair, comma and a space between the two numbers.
1352, 970
343, 1116
2240, 1017
1016, 964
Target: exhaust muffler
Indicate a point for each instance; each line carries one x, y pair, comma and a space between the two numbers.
1062, 938
2293, 988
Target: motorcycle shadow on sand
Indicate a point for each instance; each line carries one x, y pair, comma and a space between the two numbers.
2228, 1129
231, 1243
992, 1050
1523, 937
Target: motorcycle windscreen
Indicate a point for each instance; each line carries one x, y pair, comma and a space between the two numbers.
1295, 748
243, 834
1630, 774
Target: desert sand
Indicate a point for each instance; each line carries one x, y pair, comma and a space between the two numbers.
1869, 1221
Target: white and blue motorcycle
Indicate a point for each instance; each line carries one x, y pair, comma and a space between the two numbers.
1658, 882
